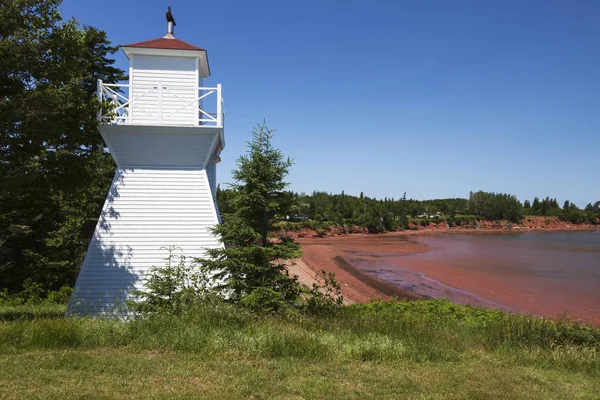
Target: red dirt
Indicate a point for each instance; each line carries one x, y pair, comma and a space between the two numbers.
357, 286
324, 252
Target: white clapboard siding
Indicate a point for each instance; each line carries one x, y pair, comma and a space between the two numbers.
146, 209
160, 149
164, 90
211, 171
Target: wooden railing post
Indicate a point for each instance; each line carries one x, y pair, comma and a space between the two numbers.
219, 106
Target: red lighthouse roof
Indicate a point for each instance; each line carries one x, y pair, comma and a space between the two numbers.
164, 43
169, 46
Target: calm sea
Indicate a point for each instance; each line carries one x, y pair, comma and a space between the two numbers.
546, 273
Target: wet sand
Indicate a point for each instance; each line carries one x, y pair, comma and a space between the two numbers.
392, 265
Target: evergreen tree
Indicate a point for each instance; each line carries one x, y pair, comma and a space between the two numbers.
527, 208
251, 270
536, 207
54, 172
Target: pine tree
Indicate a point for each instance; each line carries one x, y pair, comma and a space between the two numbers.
54, 171
536, 207
251, 269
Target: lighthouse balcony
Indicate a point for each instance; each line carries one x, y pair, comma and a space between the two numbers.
160, 104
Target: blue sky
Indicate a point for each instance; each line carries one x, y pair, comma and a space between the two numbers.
431, 98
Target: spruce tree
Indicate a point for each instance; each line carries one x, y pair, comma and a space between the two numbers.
251, 268
54, 169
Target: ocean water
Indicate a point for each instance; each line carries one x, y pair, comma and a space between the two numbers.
545, 273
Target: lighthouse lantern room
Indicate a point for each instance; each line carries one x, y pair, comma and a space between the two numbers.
164, 129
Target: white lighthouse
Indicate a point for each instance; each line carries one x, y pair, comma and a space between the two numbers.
164, 130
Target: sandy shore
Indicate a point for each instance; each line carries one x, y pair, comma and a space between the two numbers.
328, 254
343, 254
367, 268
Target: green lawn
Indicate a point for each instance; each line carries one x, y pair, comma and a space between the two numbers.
429, 349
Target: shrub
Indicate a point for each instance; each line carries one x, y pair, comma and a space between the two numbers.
263, 299
287, 226
325, 295
170, 288
32, 292
60, 296
7, 299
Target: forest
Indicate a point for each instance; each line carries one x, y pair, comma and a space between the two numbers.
388, 214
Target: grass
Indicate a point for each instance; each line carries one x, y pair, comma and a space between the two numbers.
422, 349
31, 311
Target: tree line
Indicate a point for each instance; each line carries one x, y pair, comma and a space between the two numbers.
389, 214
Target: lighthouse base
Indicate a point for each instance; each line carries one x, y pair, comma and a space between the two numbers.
146, 212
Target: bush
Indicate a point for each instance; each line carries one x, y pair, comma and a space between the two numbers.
465, 220
60, 296
325, 296
263, 299
7, 299
287, 226
171, 288
32, 292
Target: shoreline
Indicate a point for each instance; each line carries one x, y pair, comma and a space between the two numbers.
357, 286
529, 224
367, 270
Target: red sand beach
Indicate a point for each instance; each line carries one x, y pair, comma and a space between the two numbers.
408, 266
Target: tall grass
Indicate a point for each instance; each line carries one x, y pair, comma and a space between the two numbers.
31, 311
421, 331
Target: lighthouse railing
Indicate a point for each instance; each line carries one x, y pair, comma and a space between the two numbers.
160, 104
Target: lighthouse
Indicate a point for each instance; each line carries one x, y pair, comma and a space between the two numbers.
164, 129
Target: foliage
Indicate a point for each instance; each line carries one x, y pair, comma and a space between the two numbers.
325, 295
170, 288
33, 293
54, 172
60, 296
251, 269
573, 214
546, 207
495, 206
321, 210
569, 212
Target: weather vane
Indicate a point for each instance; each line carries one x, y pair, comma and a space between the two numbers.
170, 16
